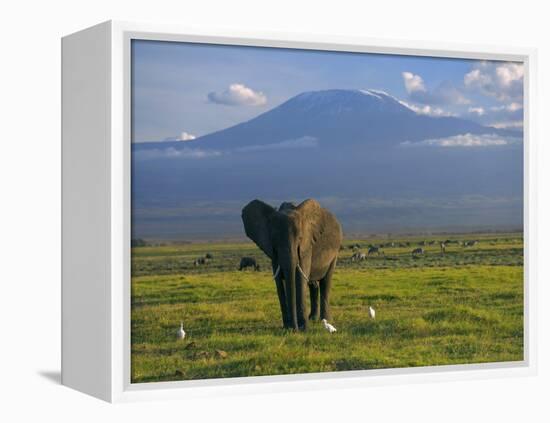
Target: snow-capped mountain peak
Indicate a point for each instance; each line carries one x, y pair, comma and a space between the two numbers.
336, 118
343, 102
373, 93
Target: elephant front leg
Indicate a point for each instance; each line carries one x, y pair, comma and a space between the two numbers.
301, 283
282, 296
314, 300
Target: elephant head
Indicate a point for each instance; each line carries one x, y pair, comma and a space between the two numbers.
303, 243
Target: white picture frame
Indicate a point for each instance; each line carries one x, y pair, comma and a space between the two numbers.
96, 214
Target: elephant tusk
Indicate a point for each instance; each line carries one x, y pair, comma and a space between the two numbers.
299, 269
277, 272
302, 272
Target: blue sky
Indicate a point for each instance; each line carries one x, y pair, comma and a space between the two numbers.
183, 90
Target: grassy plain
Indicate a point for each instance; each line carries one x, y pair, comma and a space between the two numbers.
463, 306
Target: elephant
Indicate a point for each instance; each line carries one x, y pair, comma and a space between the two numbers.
303, 243
249, 262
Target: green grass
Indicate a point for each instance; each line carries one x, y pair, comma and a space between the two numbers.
465, 306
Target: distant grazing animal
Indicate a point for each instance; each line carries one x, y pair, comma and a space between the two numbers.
181, 332
451, 241
358, 256
470, 243
372, 313
442, 247
374, 250
201, 261
209, 256
328, 326
249, 262
417, 251
432, 242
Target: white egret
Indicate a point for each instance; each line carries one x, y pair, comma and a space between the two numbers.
328, 326
181, 332
372, 313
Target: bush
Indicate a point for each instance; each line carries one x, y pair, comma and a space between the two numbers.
138, 243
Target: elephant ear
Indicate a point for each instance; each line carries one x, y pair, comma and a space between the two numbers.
255, 217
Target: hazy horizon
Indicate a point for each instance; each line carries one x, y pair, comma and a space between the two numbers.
220, 220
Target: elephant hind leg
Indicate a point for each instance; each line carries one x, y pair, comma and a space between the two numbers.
314, 300
325, 286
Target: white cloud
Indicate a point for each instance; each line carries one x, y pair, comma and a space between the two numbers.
502, 80
479, 111
513, 124
503, 116
444, 93
186, 136
508, 74
199, 153
413, 83
238, 95
465, 141
183, 153
427, 109
476, 77
302, 142
513, 107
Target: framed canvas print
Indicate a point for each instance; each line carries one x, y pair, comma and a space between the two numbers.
270, 212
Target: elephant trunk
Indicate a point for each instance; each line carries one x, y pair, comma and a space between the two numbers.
289, 270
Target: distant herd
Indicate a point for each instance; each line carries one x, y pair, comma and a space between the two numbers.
358, 255
245, 262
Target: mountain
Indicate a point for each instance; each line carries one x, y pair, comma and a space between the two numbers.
335, 118
362, 153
